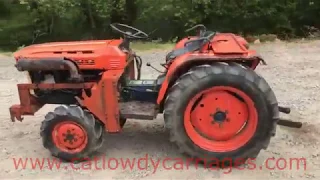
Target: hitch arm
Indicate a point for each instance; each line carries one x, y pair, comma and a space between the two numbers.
289, 123
29, 103
285, 122
285, 110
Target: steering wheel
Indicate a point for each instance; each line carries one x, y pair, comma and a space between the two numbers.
129, 31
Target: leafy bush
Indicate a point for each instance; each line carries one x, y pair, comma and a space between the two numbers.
23, 22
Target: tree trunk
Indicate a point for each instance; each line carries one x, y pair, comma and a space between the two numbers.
131, 11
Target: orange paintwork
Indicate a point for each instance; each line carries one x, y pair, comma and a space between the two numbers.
218, 37
106, 55
224, 46
97, 54
103, 102
197, 119
242, 41
228, 44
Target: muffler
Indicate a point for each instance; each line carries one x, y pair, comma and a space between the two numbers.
50, 64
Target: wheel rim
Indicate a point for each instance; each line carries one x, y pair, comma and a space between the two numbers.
70, 137
220, 119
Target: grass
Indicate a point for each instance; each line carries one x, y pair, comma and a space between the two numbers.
5, 53
136, 46
154, 46
150, 46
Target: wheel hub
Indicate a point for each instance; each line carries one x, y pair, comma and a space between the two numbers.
219, 116
69, 136
218, 125
229, 126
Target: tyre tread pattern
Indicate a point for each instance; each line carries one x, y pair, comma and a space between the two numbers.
218, 68
93, 127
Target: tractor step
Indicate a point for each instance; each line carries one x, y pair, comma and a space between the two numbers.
138, 110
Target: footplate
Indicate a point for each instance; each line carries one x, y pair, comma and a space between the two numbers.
138, 110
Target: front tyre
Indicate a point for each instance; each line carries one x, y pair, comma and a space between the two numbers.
71, 133
221, 113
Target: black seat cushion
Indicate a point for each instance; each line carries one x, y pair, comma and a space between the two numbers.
175, 53
191, 46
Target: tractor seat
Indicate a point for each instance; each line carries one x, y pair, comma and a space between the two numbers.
190, 46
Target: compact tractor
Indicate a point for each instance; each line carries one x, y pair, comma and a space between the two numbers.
215, 106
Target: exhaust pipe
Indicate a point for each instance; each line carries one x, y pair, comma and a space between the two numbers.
50, 65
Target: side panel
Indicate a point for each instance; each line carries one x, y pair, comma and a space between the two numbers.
108, 58
103, 100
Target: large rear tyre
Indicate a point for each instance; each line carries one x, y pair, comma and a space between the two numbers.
221, 114
71, 133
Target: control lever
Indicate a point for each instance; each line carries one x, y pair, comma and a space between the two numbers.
148, 64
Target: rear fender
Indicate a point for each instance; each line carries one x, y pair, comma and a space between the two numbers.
183, 63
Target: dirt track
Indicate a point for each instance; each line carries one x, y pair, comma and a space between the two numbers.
292, 71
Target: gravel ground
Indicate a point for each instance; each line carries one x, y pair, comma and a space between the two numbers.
292, 71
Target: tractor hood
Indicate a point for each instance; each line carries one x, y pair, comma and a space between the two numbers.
55, 49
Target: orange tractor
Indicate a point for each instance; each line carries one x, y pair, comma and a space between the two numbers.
215, 105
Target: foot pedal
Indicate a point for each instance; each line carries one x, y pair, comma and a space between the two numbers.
138, 110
